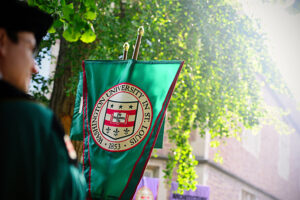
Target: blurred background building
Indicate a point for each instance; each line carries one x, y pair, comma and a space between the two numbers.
262, 166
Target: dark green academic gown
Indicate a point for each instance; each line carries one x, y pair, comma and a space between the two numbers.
34, 160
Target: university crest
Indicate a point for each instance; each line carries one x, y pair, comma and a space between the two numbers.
121, 118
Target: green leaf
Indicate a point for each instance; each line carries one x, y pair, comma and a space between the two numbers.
68, 10
88, 36
89, 3
58, 23
51, 30
71, 35
90, 15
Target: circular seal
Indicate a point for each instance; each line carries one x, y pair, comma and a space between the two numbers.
144, 193
121, 118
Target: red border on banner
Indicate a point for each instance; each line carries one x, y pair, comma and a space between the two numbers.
83, 131
171, 89
84, 86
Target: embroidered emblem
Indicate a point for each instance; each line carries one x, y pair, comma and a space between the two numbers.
121, 118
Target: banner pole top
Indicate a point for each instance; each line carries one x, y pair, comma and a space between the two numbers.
141, 30
126, 46
125, 50
138, 42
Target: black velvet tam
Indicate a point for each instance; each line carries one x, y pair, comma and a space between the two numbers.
17, 16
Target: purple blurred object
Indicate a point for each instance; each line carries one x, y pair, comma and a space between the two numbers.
147, 189
201, 193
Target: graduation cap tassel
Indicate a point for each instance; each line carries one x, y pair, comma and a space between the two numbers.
138, 42
125, 50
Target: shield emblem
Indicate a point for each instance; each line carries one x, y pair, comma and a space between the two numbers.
120, 118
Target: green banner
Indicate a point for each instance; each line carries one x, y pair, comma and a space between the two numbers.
76, 131
124, 104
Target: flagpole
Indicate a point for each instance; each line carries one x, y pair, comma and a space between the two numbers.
125, 50
138, 42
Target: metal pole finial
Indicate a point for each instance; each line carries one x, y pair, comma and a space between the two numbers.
138, 42
125, 50
141, 30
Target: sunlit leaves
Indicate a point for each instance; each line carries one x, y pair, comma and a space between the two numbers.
88, 36
71, 34
218, 158
67, 11
74, 18
90, 15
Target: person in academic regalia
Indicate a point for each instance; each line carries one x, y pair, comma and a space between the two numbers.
35, 161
